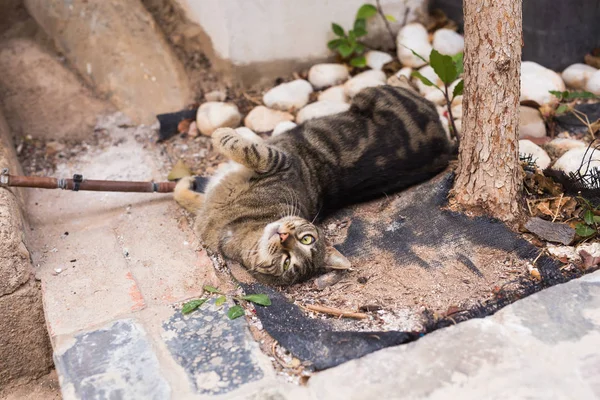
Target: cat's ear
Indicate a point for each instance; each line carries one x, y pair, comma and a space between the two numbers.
335, 260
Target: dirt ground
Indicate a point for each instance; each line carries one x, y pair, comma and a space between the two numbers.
44, 388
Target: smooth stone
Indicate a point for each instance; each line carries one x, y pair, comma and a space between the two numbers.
428, 72
248, 134
537, 82
458, 124
577, 75
593, 84
364, 80
283, 127
413, 36
564, 253
325, 75
448, 42
320, 109
573, 160
213, 115
289, 96
263, 119
377, 59
457, 107
531, 123
560, 146
405, 71
540, 157
335, 93
216, 95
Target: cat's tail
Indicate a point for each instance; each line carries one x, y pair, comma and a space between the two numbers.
189, 192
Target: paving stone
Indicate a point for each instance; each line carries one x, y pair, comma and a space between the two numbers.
94, 289
160, 254
546, 346
114, 362
218, 354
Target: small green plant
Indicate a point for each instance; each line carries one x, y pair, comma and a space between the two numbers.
235, 311
591, 221
565, 105
448, 69
348, 44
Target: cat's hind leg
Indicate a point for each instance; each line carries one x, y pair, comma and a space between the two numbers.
251, 153
185, 195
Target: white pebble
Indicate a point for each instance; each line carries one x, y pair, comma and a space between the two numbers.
336, 93
593, 84
213, 115
320, 109
578, 159
364, 80
537, 81
263, 119
377, 59
448, 42
289, 96
411, 37
283, 127
576, 76
325, 75
539, 156
531, 123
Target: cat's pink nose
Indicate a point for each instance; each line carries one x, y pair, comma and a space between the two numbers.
283, 236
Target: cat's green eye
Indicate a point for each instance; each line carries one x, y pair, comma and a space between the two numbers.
286, 264
307, 239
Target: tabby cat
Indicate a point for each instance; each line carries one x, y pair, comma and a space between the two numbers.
259, 210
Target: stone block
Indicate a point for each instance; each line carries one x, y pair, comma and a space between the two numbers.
217, 354
85, 277
114, 362
24, 345
117, 47
42, 97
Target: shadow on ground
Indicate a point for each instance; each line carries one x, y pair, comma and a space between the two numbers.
409, 254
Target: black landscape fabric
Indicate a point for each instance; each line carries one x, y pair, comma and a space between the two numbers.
315, 341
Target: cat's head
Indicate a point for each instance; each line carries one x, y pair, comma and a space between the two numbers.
292, 249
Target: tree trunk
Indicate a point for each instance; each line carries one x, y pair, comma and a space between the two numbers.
488, 178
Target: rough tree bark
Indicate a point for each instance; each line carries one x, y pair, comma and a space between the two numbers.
488, 178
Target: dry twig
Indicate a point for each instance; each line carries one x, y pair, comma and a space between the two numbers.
335, 311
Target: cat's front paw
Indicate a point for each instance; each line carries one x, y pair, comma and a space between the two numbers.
224, 136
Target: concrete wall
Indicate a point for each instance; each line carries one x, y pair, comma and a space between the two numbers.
246, 32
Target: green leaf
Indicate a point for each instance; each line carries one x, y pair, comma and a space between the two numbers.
366, 11
458, 61
335, 43
560, 95
352, 38
261, 299
338, 30
563, 108
458, 89
443, 66
192, 305
359, 62
425, 81
220, 300
211, 289
390, 18
358, 32
583, 230
360, 24
597, 219
359, 48
418, 55
345, 49
235, 312
588, 217
580, 95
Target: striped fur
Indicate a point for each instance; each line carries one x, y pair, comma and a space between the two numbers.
260, 207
